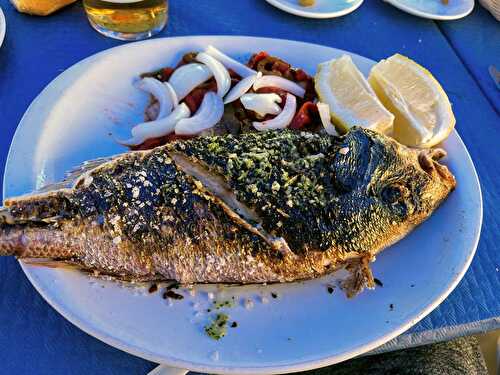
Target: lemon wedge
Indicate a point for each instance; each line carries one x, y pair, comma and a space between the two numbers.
352, 101
423, 115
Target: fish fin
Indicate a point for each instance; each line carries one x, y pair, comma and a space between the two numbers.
73, 175
360, 275
49, 204
52, 263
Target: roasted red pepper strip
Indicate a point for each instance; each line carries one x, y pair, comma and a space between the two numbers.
256, 58
304, 116
166, 73
194, 98
233, 74
300, 75
150, 143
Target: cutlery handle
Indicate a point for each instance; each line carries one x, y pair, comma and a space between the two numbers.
167, 370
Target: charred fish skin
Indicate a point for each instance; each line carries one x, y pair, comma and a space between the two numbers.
263, 207
352, 194
136, 217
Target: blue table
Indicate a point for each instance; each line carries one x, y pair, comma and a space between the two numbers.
476, 41
35, 339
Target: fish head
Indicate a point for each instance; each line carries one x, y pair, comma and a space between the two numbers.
406, 184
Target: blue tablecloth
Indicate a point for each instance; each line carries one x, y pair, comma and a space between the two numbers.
35, 339
476, 41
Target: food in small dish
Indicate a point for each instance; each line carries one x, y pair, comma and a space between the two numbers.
251, 94
400, 99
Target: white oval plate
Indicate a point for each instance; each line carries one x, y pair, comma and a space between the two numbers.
3, 26
305, 327
321, 8
435, 9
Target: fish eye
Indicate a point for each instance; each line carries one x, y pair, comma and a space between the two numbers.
392, 193
395, 196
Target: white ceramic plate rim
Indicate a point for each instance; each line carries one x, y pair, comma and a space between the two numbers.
3, 26
408, 9
295, 366
314, 14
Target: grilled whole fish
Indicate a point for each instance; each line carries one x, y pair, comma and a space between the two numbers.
264, 207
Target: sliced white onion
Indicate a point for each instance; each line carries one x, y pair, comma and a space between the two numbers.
185, 78
219, 72
157, 128
241, 87
283, 119
160, 92
262, 104
324, 114
173, 94
281, 83
209, 114
230, 63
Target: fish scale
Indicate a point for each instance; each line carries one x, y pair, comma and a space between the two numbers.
261, 207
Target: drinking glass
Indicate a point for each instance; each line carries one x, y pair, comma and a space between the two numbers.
127, 19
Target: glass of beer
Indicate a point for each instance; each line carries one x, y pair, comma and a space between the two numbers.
127, 19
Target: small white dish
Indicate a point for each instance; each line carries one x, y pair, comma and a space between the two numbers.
3, 25
435, 9
321, 8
